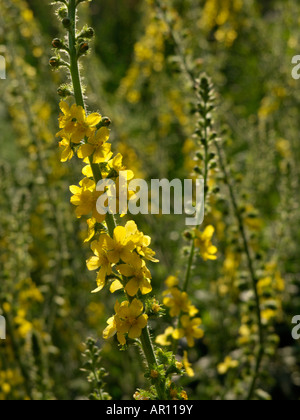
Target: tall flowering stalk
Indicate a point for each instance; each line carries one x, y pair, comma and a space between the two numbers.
207, 250
120, 253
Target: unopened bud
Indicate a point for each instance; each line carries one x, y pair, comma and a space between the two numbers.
66, 22
64, 92
188, 235
54, 62
62, 12
105, 122
88, 33
83, 48
57, 43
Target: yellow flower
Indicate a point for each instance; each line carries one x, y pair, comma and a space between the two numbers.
75, 122
87, 171
203, 242
100, 260
189, 329
129, 319
263, 285
6, 388
187, 365
172, 281
85, 199
66, 145
163, 339
138, 274
120, 248
179, 302
268, 314
228, 363
97, 147
141, 241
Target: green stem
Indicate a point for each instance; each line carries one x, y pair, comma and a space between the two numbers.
73, 56
151, 360
193, 248
76, 80
189, 267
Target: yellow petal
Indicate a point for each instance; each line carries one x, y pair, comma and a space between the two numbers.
120, 234
115, 286
132, 287
64, 107
93, 263
93, 119
209, 232
125, 270
85, 150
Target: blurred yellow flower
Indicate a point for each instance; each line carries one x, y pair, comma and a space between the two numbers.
164, 339
189, 329
187, 365
203, 241
179, 302
228, 363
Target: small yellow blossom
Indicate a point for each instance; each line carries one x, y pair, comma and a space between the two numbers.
172, 281
100, 260
129, 319
75, 122
187, 365
179, 302
228, 363
203, 242
138, 274
163, 339
141, 241
97, 146
120, 248
85, 199
189, 329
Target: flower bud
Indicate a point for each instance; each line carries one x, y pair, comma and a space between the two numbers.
105, 122
64, 91
88, 33
83, 48
57, 43
62, 12
54, 62
66, 22
188, 235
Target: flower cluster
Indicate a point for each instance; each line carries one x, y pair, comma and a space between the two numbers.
79, 132
123, 256
180, 306
178, 301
